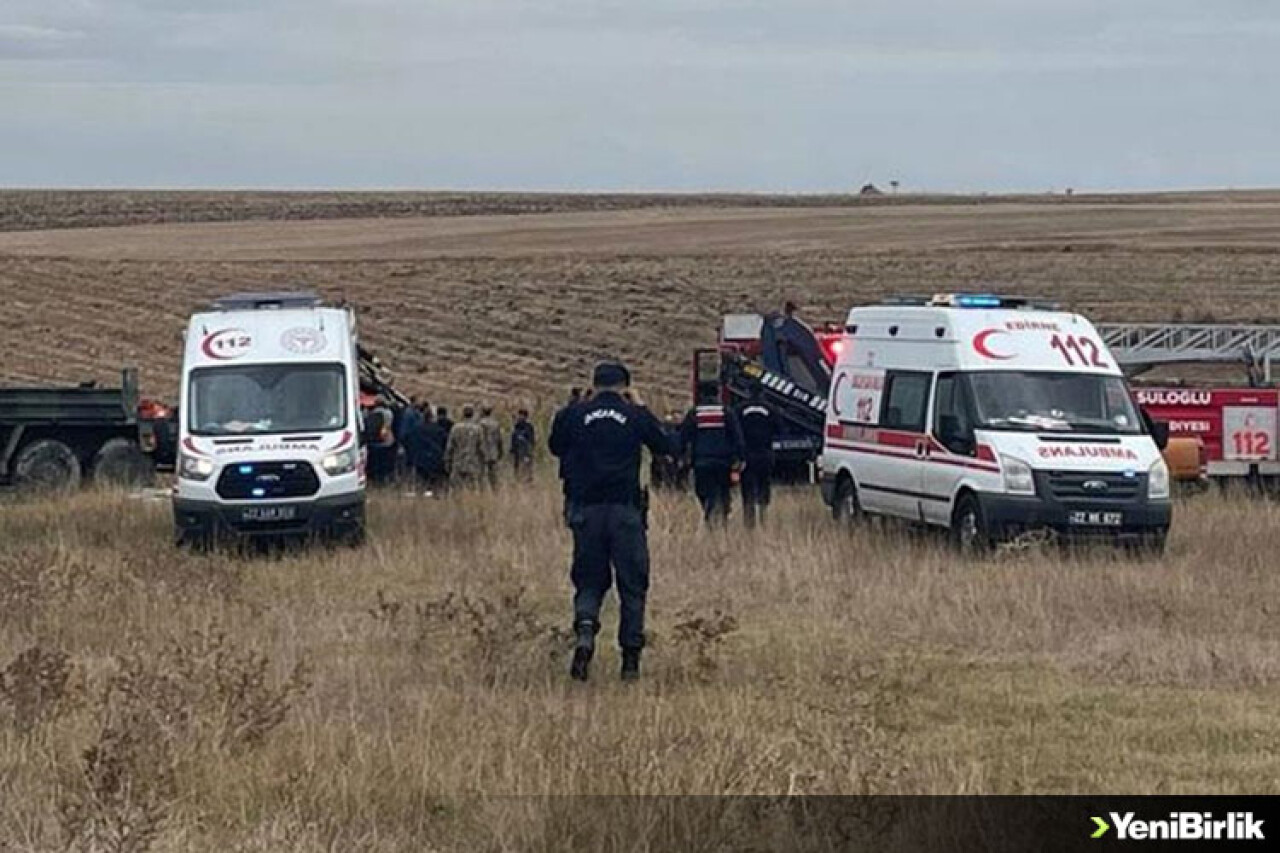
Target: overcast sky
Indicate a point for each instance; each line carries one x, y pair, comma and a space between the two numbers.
790, 95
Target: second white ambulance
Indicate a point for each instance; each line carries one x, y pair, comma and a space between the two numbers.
990, 416
270, 434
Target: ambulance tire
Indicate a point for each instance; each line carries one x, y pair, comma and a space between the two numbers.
969, 534
46, 465
845, 508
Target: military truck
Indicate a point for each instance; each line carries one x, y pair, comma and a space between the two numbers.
55, 438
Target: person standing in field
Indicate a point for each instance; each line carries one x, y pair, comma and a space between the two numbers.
523, 441
712, 437
464, 453
760, 426
443, 419
492, 446
606, 437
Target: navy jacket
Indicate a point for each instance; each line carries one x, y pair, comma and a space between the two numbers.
603, 438
558, 426
760, 427
712, 436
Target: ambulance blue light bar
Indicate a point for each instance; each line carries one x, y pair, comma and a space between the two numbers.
989, 300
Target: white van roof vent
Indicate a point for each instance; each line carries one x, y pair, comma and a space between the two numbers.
267, 301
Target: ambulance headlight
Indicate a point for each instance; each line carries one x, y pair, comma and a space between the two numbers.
1158, 481
342, 462
194, 467
1018, 479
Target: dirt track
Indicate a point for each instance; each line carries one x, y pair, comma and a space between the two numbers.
485, 305
1179, 225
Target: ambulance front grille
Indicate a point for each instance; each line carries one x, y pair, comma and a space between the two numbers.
1093, 486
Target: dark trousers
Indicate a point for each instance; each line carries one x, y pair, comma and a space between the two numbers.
757, 475
610, 544
711, 483
569, 503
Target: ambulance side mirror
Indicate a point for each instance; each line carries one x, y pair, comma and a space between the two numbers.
1158, 430
1159, 433
955, 436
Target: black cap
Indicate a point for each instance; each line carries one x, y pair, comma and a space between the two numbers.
609, 374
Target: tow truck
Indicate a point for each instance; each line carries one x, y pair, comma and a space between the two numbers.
790, 364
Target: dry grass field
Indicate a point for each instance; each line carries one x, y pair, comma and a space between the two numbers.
414, 692
412, 695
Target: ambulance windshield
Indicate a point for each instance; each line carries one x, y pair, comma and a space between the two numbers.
1053, 402
267, 399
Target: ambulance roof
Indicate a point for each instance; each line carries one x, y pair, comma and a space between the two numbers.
977, 333
231, 334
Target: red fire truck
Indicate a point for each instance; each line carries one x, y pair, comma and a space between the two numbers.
1234, 425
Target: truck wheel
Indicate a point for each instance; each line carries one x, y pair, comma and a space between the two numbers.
120, 462
969, 533
46, 465
845, 509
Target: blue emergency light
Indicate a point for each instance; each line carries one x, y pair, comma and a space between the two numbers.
259, 493
978, 301
246, 469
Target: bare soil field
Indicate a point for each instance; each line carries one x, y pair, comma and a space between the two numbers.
34, 209
519, 306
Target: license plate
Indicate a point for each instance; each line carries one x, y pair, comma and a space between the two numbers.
1096, 519
269, 513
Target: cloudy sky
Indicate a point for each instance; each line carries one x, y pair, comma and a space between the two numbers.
790, 95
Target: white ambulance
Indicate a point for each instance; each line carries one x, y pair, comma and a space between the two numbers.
270, 433
990, 416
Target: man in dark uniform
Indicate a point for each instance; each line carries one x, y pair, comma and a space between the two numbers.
443, 419
712, 437
523, 439
605, 436
759, 427
566, 459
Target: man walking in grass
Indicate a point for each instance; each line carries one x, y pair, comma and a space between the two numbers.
605, 437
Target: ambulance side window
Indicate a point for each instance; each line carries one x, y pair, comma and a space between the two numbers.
906, 400
951, 422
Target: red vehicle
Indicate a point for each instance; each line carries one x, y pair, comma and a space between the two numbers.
1235, 426
785, 360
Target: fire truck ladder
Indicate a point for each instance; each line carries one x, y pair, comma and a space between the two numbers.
1138, 347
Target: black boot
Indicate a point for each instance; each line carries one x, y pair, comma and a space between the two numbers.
630, 664
583, 650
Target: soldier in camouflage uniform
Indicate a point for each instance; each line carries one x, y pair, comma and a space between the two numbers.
464, 456
492, 444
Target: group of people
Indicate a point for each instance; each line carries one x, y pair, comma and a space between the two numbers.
717, 443
424, 444
598, 437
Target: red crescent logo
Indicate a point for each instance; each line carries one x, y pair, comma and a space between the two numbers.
981, 347
226, 344
835, 395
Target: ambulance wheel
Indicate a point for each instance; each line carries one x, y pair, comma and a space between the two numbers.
46, 465
969, 533
845, 509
